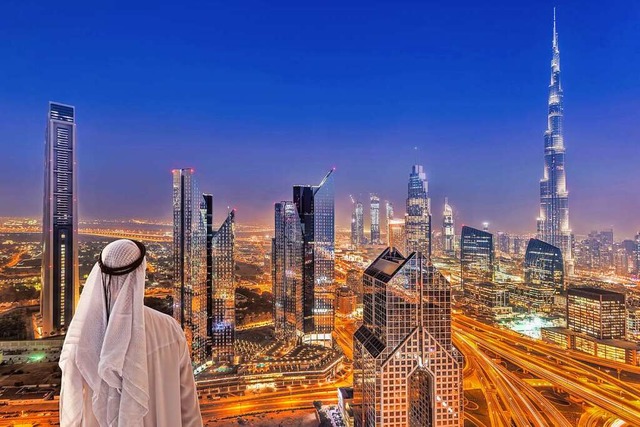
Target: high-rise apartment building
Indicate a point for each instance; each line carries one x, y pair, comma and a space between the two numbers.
314, 205
553, 222
223, 295
476, 255
190, 262
448, 229
388, 209
375, 219
418, 218
60, 277
407, 372
357, 224
397, 235
287, 265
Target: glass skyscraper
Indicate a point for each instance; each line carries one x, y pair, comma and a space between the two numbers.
357, 224
418, 218
553, 222
314, 205
476, 255
287, 264
60, 280
375, 219
448, 229
190, 262
223, 296
388, 216
397, 235
543, 265
407, 372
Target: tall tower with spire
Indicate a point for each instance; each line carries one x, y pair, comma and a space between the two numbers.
553, 222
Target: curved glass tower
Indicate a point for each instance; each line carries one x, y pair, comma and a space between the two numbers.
553, 222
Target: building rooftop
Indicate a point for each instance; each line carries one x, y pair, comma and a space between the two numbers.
586, 290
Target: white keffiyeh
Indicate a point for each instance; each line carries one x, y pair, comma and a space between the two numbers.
107, 358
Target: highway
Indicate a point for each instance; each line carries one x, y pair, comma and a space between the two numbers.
580, 380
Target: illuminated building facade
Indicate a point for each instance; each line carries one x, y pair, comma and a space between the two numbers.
60, 280
397, 235
597, 321
315, 206
287, 264
407, 372
375, 219
357, 225
448, 230
418, 218
637, 254
388, 215
598, 313
354, 282
223, 296
190, 262
553, 222
543, 265
476, 255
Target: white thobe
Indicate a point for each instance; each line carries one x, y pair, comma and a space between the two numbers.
173, 401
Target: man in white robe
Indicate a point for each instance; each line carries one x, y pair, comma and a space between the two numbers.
124, 364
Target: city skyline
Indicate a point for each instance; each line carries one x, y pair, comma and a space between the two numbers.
449, 134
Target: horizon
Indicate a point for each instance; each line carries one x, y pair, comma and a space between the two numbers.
286, 110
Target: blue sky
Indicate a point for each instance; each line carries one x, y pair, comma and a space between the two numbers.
257, 96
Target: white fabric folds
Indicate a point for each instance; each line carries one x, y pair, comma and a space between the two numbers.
108, 358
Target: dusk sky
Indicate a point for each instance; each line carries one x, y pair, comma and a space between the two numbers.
258, 97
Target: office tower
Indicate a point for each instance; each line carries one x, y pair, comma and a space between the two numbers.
504, 242
60, 280
357, 224
637, 254
223, 296
388, 215
397, 235
287, 262
418, 219
598, 313
407, 372
315, 205
190, 262
375, 219
354, 282
553, 222
448, 229
476, 255
543, 265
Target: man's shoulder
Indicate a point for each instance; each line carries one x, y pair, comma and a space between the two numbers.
162, 325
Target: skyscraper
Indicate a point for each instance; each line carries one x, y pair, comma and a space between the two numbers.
397, 235
375, 219
388, 215
190, 262
543, 265
287, 265
357, 224
407, 372
315, 207
418, 219
223, 297
60, 280
476, 255
448, 229
553, 222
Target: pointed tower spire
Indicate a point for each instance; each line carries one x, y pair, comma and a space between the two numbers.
555, 32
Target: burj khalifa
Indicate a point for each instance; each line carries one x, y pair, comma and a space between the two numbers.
553, 222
